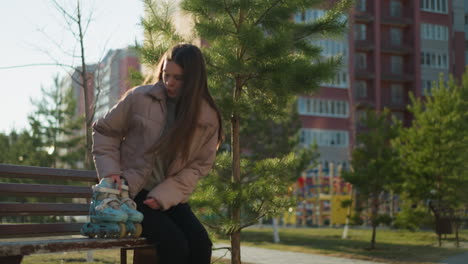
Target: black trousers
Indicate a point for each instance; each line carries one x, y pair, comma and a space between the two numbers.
178, 235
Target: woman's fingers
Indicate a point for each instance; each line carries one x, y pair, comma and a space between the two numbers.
151, 203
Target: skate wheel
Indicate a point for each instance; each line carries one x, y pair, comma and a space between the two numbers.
123, 230
138, 230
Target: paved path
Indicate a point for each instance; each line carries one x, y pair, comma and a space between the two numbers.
457, 259
269, 256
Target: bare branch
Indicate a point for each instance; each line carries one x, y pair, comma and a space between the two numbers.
55, 43
35, 64
64, 12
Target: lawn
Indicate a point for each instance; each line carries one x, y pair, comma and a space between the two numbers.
393, 246
110, 256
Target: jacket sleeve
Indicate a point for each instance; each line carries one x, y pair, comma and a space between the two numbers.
176, 189
108, 133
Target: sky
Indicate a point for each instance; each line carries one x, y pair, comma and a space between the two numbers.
34, 32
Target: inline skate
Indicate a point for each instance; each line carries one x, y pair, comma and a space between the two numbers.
133, 225
107, 217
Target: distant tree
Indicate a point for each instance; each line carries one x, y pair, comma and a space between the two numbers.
434, 149
21, 148
55, 126
375, 163
78, 21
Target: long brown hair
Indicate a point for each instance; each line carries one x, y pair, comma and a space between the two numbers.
195, 88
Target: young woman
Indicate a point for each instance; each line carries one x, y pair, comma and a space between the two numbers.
162, 139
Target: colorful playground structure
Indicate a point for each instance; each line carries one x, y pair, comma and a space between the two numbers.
320, 192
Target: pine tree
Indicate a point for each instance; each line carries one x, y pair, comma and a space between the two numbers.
434, 148
21, 148
258, 58
55, 126
375, 163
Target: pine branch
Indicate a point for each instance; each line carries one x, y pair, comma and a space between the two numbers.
230, 15
259, 20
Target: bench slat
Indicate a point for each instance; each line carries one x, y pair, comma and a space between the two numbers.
31, 172
13, 209
30, 230
41, 190
75, 244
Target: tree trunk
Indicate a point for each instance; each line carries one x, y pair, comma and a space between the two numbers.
236, 179
375, 209
87, 98
276, 237
346, 227
374, 227
235, 247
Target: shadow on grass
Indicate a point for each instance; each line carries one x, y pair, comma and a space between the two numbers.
334, 245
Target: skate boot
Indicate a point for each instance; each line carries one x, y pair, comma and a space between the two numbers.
133, 225
107, 217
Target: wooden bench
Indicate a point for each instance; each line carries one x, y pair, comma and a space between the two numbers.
63, 185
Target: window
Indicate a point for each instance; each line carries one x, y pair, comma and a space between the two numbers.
339, 81
361, 89
436, 6
397, 64
332, 47
426, 87
360, 32
361, 117
397, 93
434, 59
395, 8
396, 36
324, 138
361, 5
322, 107
310, 15
361, 60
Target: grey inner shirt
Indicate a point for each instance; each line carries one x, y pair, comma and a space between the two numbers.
161, 164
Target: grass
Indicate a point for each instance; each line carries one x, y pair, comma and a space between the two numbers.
393, 246
109, 256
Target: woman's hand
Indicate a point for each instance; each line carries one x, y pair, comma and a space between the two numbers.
116, 178
152, 203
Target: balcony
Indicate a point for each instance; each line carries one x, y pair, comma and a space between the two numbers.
363, 17
363, 45
397, 77
364, 103
364, 73
395, 104
396, 21
399, 49
397, 16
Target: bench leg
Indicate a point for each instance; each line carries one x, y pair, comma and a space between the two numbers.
123, 256
11, 260
144, 255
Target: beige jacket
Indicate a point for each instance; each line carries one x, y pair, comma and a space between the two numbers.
123, 137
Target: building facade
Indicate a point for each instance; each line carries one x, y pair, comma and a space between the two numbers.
393, 48
107, 80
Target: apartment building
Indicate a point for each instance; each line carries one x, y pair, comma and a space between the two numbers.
107, 80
